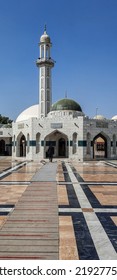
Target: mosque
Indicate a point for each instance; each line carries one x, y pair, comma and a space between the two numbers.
62, 124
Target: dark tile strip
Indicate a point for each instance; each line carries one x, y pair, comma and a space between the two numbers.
109, 226
73, 201
4, 213
10, 172
7, 205
85, 246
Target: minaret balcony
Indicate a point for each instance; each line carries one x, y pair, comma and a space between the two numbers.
45, 61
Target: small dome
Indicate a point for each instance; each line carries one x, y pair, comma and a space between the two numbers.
45, 38
99, 117
66, 104
114, 118
31, 112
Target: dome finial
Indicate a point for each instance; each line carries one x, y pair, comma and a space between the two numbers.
45, 28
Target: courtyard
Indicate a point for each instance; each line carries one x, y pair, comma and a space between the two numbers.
64, 210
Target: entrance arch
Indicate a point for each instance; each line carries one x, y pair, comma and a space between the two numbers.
2, 147
59, 142
21, 145
99, 146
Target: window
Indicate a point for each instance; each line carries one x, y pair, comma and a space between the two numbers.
74, 142
100, 146
37, 143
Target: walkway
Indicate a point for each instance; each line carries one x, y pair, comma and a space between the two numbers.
60, 210
31, 231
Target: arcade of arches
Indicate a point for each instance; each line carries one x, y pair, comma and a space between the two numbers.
100, 147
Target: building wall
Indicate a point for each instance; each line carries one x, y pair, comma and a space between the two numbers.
79, 134
47, 129
106, 128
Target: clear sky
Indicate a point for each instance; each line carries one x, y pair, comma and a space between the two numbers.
84, 37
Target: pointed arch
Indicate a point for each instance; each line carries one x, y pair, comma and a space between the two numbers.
21, 145
59, 141
100, 144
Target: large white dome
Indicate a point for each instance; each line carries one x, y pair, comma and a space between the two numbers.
114, 118
31, 112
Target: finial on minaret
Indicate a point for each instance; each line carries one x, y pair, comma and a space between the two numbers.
45, 28
66, 94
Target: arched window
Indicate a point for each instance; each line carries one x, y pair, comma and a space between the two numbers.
100, 146
74, 147
37, 143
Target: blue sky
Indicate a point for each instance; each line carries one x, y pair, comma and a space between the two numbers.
84, 37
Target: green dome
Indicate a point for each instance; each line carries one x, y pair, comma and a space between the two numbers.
66, 104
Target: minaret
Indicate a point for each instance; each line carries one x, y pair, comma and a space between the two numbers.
45, 63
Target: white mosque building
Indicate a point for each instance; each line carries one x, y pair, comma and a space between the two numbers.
63, 124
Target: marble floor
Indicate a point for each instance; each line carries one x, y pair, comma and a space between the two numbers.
73, 204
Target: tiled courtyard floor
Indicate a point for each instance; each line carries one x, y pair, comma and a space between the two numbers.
61, 210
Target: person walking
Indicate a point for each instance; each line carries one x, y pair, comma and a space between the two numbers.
50, 152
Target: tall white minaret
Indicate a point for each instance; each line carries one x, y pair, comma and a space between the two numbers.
45, 63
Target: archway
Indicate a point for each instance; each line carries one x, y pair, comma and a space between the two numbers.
2, 147
99, 146
59, 142
23, 146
